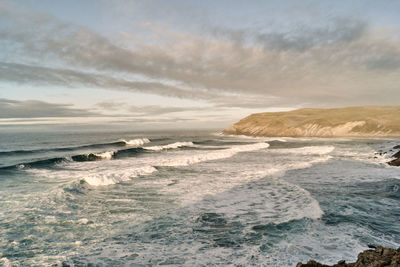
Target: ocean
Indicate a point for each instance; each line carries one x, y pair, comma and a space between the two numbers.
192, 198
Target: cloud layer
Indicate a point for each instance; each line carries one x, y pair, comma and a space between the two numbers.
35, 109
340, 62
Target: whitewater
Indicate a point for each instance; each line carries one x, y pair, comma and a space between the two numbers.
192, 199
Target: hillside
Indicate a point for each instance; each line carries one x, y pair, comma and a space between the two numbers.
366, 121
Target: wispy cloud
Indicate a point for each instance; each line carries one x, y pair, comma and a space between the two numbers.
137, 111
342, 62
36, 109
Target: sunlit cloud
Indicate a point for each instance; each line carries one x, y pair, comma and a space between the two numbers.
342, 61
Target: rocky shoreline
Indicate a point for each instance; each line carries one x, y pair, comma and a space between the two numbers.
396, 161
378, 257
396, 156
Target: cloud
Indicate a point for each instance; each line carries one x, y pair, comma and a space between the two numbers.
31, 74
151, 110
36, 109
344, 62
336, 32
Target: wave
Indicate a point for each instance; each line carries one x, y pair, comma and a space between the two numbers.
114, 177
136, 142
36, 164
170, 146
92, 156
307, 150
119, 143
125, 174
107, 155
184, 160
44, 163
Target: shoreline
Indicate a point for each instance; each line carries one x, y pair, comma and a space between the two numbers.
378, 257
394, 161
310, 137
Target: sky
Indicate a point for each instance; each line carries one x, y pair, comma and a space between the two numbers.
180, 63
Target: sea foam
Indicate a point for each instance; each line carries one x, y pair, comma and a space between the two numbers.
115, 176
185, 160
108, 177
105, 155
136, 142
307, 150
170, 146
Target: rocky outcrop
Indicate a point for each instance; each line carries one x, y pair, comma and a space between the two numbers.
369, 121
396, 161
379, 257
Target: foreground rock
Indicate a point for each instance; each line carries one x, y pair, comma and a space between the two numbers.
380, 257
368, 121
396, 161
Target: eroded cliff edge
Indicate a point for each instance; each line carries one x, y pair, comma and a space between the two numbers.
367, 121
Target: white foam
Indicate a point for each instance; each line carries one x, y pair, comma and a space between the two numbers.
112, 175
117, 176
192, 189
136, 142
83, 221
185, 160
307, 150
170, 146
276, 202
5, 261
105, 155
364, 154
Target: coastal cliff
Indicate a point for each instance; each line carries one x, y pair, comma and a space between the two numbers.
367, 121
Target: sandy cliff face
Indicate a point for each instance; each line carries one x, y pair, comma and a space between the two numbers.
370, 121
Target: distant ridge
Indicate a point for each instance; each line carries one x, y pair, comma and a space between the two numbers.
365, 121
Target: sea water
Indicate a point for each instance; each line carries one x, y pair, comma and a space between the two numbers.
187, 198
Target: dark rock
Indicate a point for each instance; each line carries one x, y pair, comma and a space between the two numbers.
378, 257
395, 162
396, 155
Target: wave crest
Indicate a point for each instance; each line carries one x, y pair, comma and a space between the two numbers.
117, 176
170, 146
136, 142
185, 160
113, 177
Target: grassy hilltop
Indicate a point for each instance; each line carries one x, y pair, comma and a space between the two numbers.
366, 121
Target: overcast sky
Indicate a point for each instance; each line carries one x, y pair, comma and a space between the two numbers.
196, 63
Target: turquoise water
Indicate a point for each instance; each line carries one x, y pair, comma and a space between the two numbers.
192, 199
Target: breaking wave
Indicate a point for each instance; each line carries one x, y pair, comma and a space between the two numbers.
307, 150
114, 177
119, 143
107, 155
184, 160
125, 174
136, 142
170, 146
93, 156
